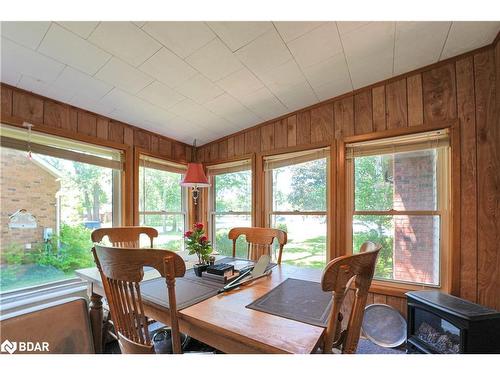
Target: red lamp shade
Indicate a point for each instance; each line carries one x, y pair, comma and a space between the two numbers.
195, 176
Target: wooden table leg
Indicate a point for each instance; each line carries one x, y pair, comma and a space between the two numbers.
96, 318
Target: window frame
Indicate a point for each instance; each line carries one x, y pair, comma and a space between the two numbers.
445, 202
138, 152
211, 209
268, 192
122, 186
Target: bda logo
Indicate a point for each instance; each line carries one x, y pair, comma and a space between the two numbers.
8, 346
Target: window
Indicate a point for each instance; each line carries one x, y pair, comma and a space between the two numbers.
230, 204
399, 198
162, 201
51, 201
297, 202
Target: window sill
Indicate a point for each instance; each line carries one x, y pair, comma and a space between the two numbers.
396, 289
33, 296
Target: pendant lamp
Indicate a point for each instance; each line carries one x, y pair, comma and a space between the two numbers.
195, 176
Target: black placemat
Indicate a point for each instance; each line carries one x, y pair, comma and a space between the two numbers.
189, 290
299, 300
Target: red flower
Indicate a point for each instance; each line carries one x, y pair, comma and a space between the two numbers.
203, 239
188, 233
198, 226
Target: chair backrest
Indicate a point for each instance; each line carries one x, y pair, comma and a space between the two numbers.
337, 277
63, 325
121, 272
124, 236
259, 241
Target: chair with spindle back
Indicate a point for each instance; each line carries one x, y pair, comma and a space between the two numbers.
338, 276
124, 236
259, 241
121, 272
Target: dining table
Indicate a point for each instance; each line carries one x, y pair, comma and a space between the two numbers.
224, 321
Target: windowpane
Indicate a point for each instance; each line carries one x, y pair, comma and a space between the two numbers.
306, 244
400, 181
68, 199
162, 206
223, 223
410, 245
170, 231
233, 191
300, 187
159, 190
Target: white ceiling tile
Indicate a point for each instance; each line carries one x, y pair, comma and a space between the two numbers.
187, 108
168, 68
160, 95
124, 76
347, 26
125, 40
465, 36
333, 69
214, 60
81, 83
236, 34
232, 110
28, 34
264, 53
418, 44
66, 47
368, 39
295, 97
369, 50
117, 98
10, 77
240, 83
263, 103
183, 38
90, 104
317, 45
283, 76
157, 115
82, 28
32, 84
332, 89
290, 30
15, 58
200, 89
375, 69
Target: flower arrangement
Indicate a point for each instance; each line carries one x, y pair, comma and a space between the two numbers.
198, 243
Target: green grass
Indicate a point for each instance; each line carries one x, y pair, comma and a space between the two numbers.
308, 253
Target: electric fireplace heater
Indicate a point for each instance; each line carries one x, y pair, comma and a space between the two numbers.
439, 323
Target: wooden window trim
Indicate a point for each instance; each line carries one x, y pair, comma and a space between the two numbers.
444, 176
187, 212
210, 195
330, 191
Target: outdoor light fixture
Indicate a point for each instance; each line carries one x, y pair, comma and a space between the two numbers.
195, 176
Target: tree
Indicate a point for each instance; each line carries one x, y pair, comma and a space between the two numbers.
233, 190
88, 179
308, 186
374, 192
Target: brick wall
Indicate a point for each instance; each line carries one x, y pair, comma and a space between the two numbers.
25, 184
416, 238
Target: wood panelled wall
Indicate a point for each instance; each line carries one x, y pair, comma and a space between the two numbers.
463, 91
57, 118
19, 105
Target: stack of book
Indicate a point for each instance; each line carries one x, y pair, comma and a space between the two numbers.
221, 272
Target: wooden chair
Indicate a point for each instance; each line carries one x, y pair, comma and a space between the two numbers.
259, 241
124, 236
121, 272
337, 277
